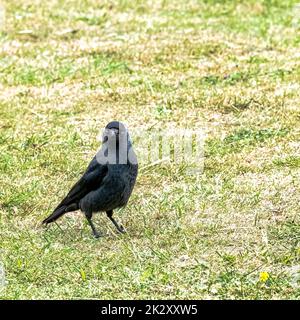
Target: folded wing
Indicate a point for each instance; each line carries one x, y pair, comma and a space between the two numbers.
91, 180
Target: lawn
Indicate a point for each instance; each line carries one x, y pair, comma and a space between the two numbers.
229, 68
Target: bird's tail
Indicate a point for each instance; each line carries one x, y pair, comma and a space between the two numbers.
60, 211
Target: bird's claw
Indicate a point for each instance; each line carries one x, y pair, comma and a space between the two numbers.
97, 235
122, 229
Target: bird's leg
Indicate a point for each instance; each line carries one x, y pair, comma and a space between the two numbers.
120, 228
89, 219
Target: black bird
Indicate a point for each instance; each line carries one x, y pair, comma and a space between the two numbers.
108, 181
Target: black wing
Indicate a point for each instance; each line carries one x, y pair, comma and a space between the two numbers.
90, 181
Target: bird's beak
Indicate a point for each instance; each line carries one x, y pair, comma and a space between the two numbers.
114, 131
110, 133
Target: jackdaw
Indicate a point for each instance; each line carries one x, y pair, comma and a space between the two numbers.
108, 181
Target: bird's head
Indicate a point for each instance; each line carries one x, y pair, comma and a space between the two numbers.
117, 146
115, 131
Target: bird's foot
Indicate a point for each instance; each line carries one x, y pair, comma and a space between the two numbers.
97, 234
121, 229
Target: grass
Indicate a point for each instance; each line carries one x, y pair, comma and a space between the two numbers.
229, 67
